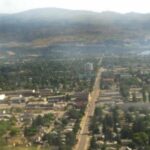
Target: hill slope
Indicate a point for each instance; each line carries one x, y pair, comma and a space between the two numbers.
59, 25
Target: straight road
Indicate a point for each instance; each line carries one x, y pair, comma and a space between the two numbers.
84, 137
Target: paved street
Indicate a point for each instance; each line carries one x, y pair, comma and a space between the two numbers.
84, 137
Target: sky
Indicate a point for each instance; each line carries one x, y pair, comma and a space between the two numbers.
122, 6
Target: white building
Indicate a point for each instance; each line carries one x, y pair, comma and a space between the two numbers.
89, 66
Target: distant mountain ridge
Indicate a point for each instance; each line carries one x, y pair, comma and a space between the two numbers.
53, 25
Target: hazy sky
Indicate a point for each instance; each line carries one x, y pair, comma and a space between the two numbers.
123, 6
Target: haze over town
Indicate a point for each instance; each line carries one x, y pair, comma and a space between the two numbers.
74, 75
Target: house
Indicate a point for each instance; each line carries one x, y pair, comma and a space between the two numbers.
137, 93
126, 141
56, 99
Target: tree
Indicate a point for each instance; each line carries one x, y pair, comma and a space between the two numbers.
38, 121
14, 131
5, 126
124, 90
94, 126
31, 131
134, 99
139, 125
74, 113
68, 97
144, 95
76, 126
98, 113
126, 133
43, 121
93, 145
129, 117
108, 121
104, 147
108, 135
52, 138
115, 117
140, 139
47, 119
70, 138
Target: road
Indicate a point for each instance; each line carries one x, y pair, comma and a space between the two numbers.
83, 136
